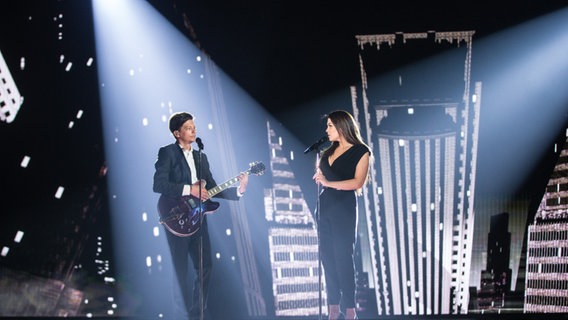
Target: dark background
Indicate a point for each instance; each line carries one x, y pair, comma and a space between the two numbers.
286, 54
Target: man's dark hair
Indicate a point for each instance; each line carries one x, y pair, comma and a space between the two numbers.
178, 119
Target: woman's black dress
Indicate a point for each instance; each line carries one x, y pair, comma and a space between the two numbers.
337, 227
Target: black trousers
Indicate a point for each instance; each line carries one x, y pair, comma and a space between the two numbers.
337, 241
184, 249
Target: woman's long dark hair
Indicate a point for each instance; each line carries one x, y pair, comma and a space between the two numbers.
347, 127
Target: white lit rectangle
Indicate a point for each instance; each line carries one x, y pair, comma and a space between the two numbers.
5, 251
59, 192
19, 236
25, 162
148, 261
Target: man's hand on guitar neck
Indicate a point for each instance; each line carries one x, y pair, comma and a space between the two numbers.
243, 180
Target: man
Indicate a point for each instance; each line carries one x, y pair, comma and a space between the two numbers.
179, 172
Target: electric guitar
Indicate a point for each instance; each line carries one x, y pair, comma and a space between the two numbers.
182, 218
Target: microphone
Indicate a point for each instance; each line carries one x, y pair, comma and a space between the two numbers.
316, 144
199, 143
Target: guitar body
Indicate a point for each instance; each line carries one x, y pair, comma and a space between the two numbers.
182, 216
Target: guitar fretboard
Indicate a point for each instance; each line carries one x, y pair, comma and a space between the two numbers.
213, 191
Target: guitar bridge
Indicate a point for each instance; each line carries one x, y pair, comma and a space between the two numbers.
175, 214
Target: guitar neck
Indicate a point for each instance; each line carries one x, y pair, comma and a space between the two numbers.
214, 191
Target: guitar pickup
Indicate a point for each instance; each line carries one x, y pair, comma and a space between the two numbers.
191, 202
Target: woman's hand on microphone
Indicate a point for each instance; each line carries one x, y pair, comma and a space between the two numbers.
320, 179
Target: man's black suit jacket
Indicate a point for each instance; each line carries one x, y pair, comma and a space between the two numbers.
172, 173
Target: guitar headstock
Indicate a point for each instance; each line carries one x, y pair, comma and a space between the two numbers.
256, 168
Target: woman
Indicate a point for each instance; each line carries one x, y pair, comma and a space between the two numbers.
342, 171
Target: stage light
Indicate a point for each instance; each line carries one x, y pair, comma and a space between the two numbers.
148, 70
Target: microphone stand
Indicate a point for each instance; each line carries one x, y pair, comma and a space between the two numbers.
318, 213
318, 147
199, 203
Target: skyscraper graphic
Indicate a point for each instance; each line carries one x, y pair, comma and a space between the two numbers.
10, 98
293, 241
496, 278
546, 284
422, 125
